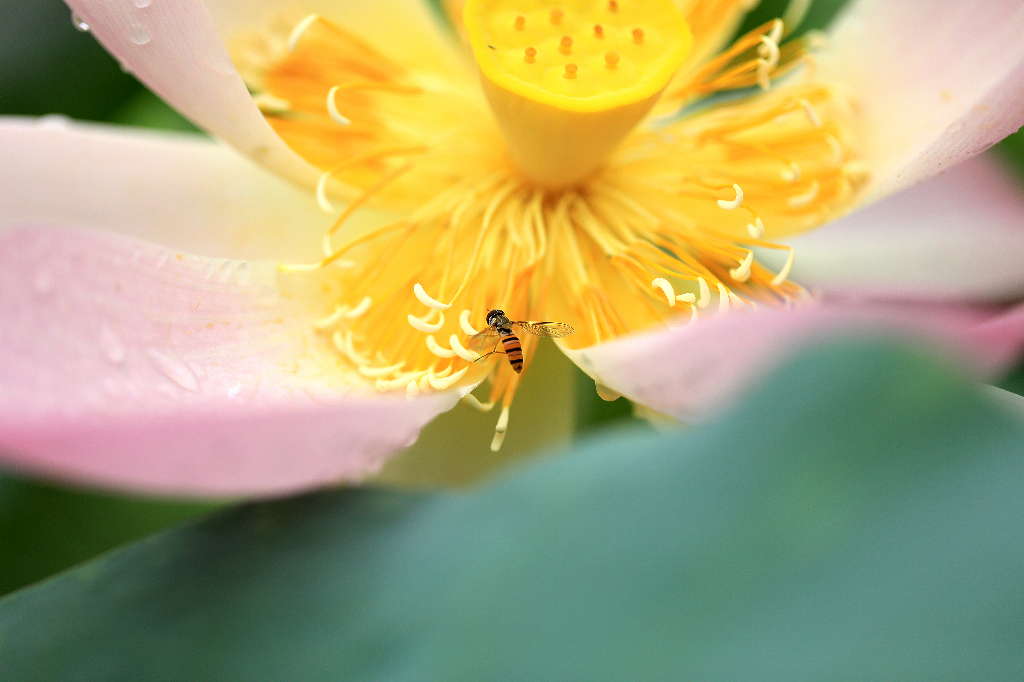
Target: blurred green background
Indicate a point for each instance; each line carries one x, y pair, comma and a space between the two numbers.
47, 67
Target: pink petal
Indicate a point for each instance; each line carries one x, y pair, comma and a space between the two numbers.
959, 236
183, 191
126, 364
937, 81
692, 370
175, 49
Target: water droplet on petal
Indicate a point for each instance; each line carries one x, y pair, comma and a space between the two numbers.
142, 4
138, 34
42, 282
113, 348
79, 23
174, 369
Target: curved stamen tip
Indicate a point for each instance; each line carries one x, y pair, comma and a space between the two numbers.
756, 228
437, 349
476, 404
360, 308
332, 108
499, 430
665, 287
467, 328
462, 351
741, 273
296, 35
428, 300
444, 383
731, 204
422, 325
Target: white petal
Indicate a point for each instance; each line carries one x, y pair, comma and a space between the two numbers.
691, 371
959, 236
176, 50
180, 190
127, 364
937, 81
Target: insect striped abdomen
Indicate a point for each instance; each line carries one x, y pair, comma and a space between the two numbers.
514, 351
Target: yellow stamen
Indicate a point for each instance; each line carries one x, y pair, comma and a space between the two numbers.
583, 216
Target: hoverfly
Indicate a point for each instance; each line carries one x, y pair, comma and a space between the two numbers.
499, 329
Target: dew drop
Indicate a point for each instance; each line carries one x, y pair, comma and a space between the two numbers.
42, 282
79, 23
174, 369
113, 348
138, 34
142, 4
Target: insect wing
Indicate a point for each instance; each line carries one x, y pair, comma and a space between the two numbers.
552, 329
483, 340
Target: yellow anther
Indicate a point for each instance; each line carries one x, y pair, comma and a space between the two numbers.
705, 293
756, 228
783, 274
734, 203
412, 389
741, 273
562, 120
444, 383
296, 35
331, 320
688, 297
723, 298
332, 108
467, 328
422, 325
807, 197
499, 429
613, 6
791, 173
462, 351
360, 309
475, 403
428, 300
379, 372
665, 287
811, 113
520, 22
437, 349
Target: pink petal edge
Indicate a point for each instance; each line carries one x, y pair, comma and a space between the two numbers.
956, 237
689, 372
936, 81
127, 365
181, 190
175, 49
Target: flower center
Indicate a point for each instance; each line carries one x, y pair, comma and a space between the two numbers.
610, 238
568, 82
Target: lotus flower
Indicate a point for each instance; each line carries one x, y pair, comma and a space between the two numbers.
218, 327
